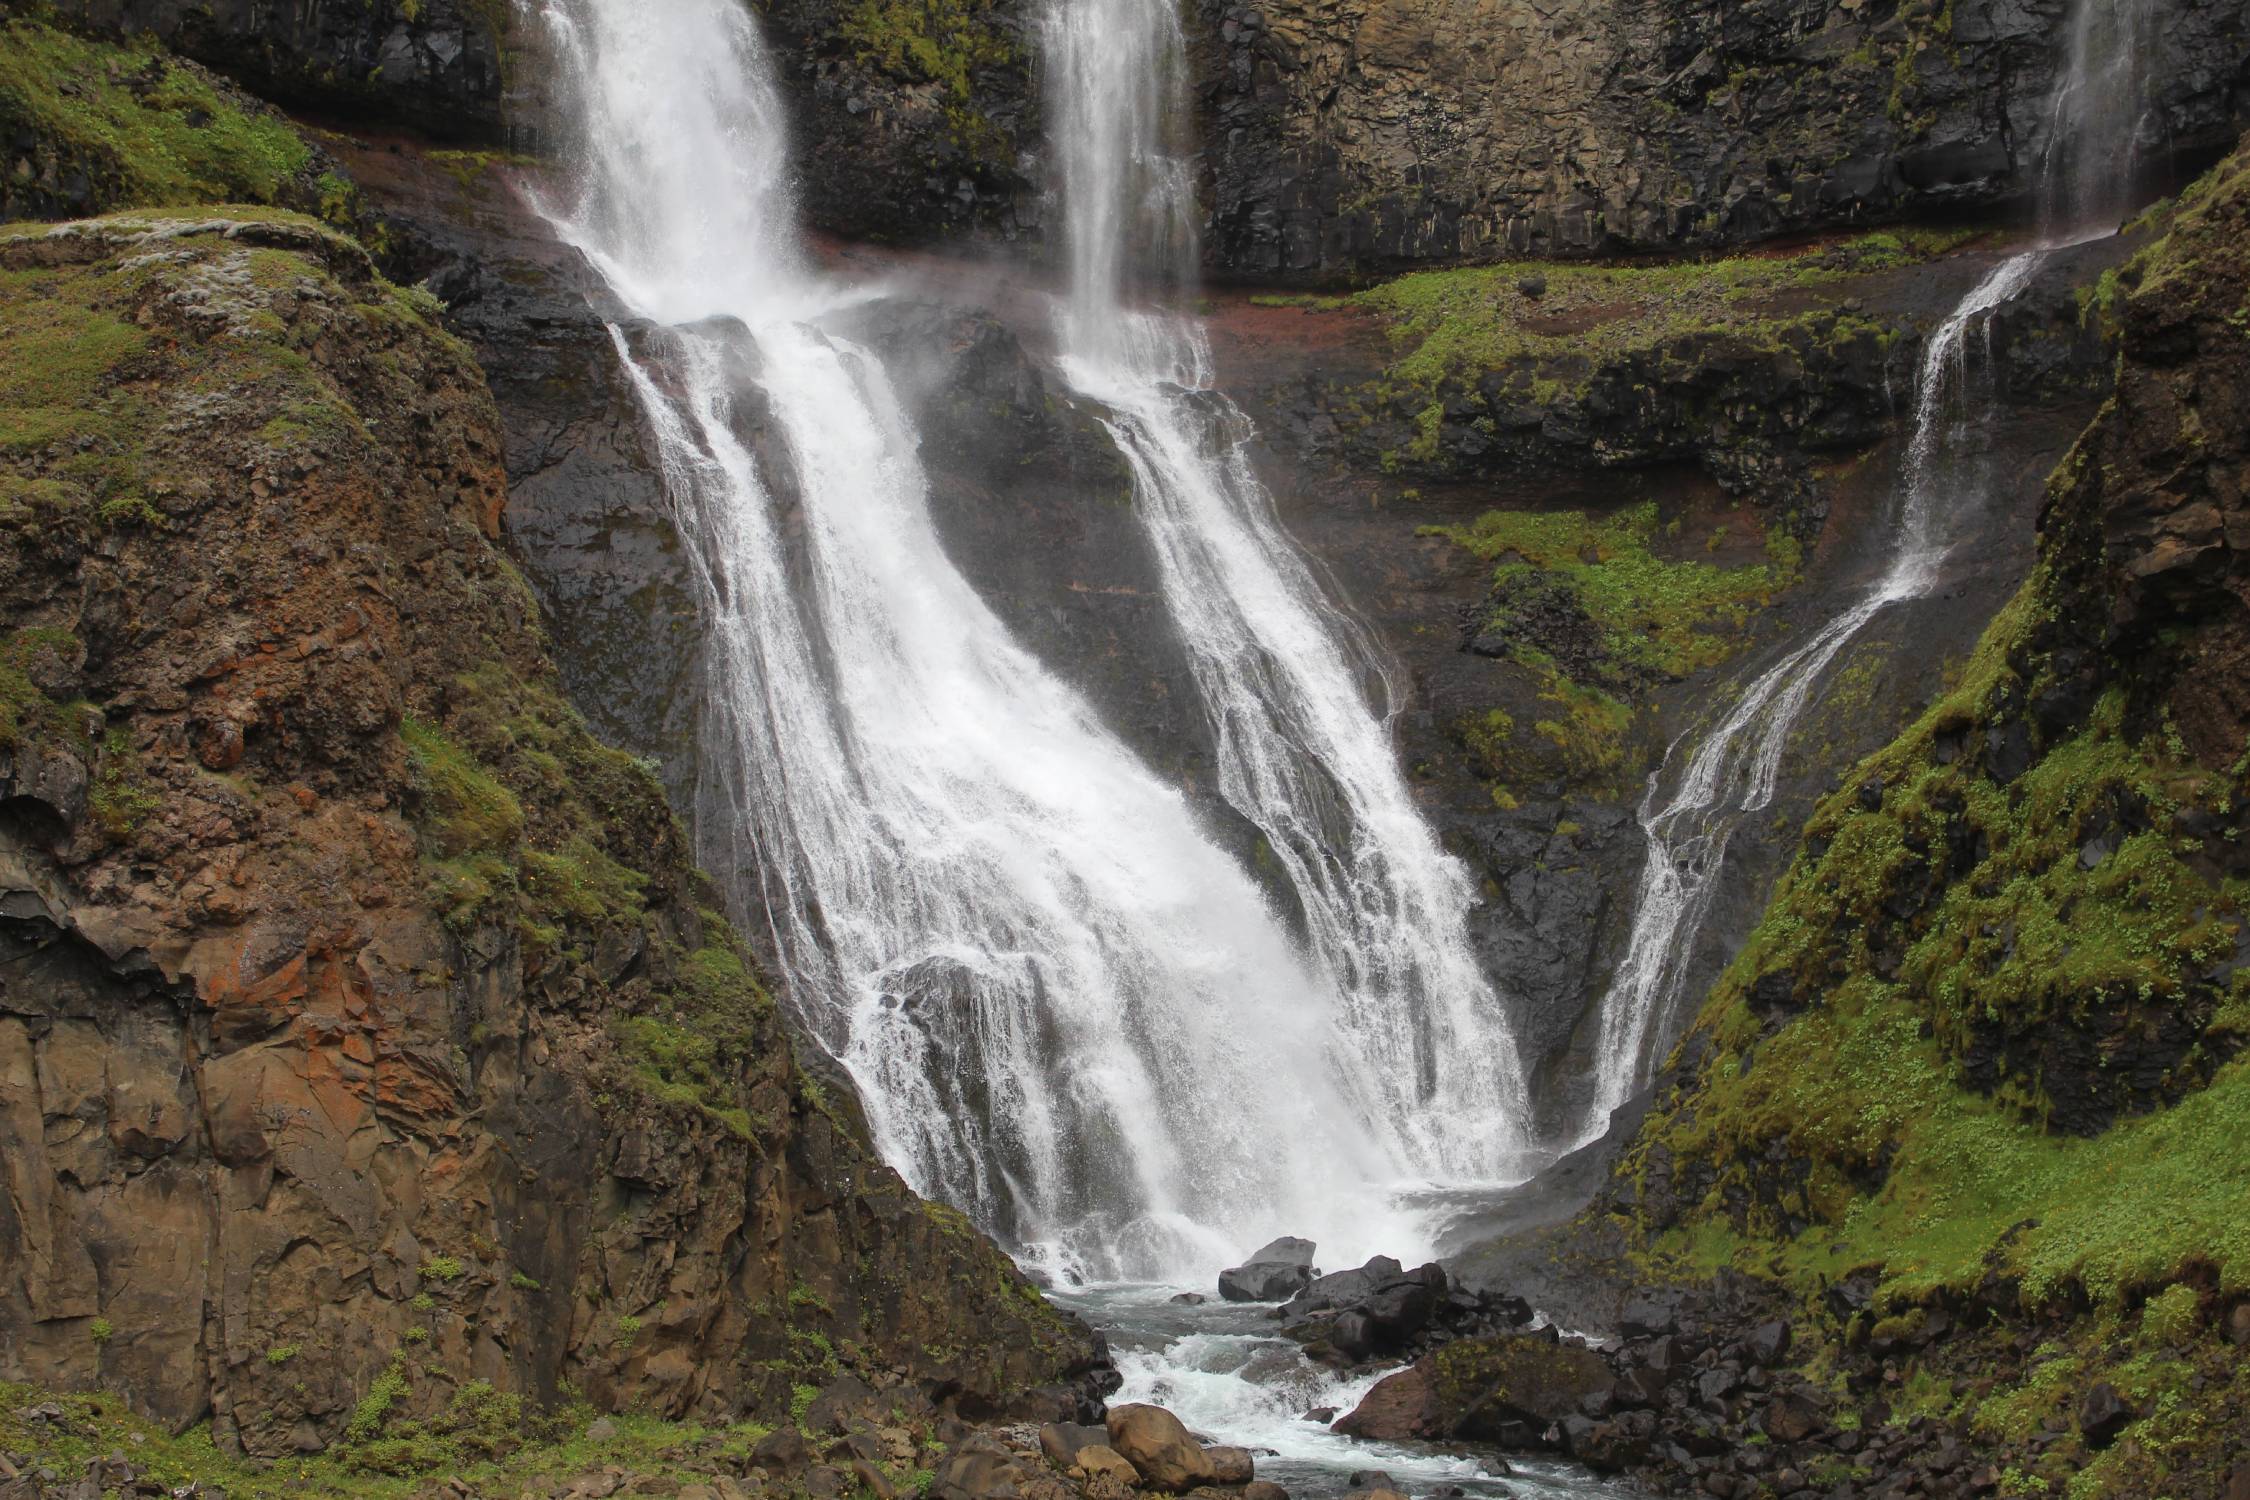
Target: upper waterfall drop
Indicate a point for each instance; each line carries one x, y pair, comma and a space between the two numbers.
1067, 1010
1421, 1044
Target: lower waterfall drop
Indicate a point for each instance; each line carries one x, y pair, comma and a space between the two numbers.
1067, 1010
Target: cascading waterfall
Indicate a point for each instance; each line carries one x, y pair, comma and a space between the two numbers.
1732, 771
2086, 176
1422, 1045
1068, 1011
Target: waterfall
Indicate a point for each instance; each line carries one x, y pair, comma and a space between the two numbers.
1421, 1044
1690, 816
1068, 1011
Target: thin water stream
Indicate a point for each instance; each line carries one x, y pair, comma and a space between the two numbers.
1712, 781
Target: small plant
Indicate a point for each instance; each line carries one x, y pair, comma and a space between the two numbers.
417, 1335
281, 1354
801, 1398
628, 1329
102, 1330
422, 1302
523, 1283
441, 1268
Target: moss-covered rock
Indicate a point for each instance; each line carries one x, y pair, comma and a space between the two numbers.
395, 1028
89, 126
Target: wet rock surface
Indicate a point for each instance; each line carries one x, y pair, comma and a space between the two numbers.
1359, 138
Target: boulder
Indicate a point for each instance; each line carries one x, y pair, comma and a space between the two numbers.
1509, 1380
1399, 1407
1649, 1315
1616, 1445
1263, 1489
1062, 1442
782, 1451
1791, 1418
979, 1469
1152, 1440
1275, 1272
1769, 1342
1097, 1460
1342, 1288
1231, 1466
2103, 1415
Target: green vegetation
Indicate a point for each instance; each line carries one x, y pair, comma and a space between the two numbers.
1447, 323
1653, 606
940, 41
526, 819
28, 711
946, 42
1664, 615
1868, 1083
152, 129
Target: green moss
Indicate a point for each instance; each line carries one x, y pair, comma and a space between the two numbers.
1451, 323
26, 711
465, 810
1666, 615
945, 42
684, 1067
121, 799
158, 130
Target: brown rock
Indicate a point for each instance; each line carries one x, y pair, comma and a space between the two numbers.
1100, 1459
1153, 1441
256, 1068
1791, 1418
1263, 1489
1062, 1442
1401, 1406
1231, 1466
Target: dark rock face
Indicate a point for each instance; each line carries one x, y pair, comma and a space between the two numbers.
1353, 137
1275, 1272
911, 126
441, 66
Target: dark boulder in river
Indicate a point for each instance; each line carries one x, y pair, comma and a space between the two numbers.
1280, 1270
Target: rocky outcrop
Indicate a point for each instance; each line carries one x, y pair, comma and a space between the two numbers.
1351, 137
913, 123
1962, 1095
364, 1030
441, 66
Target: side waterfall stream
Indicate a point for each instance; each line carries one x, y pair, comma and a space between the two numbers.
1690, 814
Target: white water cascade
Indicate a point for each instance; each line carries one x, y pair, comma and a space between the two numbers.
1421, 1043
1690, 816
1067, 1010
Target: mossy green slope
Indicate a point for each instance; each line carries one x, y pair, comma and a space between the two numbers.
1984, 1053
142, 127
